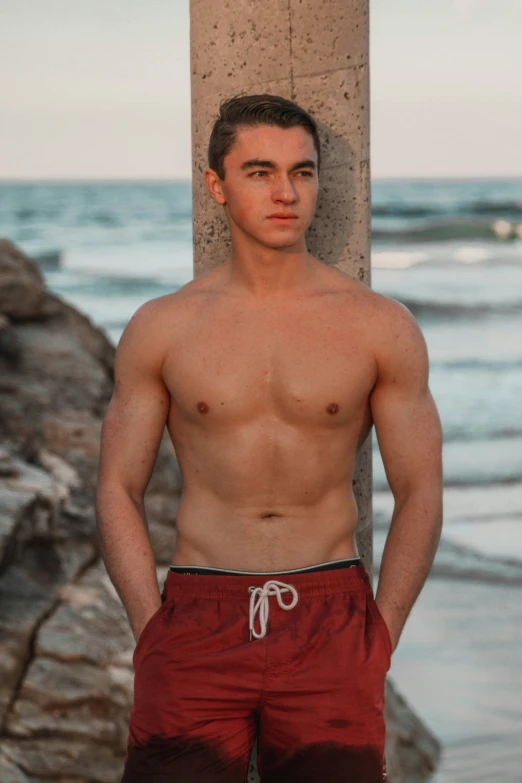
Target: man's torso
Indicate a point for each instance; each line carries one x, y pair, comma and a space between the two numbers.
269, 408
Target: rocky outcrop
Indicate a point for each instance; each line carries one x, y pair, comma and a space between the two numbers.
66, 647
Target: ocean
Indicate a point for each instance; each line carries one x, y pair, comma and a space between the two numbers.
451, 251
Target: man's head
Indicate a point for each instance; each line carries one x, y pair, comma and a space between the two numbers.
264, 158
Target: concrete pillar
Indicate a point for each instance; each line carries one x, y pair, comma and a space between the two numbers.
314, 52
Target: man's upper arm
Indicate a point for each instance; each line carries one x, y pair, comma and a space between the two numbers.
139, 407
406, 419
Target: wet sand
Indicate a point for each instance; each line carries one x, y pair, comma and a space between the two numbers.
459, 659
459, 665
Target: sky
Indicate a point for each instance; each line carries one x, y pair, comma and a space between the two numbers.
100, 90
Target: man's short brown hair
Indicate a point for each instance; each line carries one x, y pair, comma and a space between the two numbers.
250, 111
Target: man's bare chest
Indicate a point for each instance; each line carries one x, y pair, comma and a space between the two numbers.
310, 368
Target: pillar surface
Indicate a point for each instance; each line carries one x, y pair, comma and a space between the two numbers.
314, 52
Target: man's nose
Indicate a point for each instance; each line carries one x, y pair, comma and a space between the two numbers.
283, 190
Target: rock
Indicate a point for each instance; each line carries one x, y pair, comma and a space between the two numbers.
54, 397
13, 503
64, 759
9, 345
412, 751
61, 471
10, 772
8, 468
22, 293
66, 676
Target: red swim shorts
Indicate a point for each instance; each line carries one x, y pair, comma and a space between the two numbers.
298, 658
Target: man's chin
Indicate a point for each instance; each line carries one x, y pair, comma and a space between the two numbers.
280, 243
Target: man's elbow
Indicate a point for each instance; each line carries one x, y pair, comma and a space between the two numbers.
114, 494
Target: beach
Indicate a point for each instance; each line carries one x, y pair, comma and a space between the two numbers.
436, 246
458, 662
458, 666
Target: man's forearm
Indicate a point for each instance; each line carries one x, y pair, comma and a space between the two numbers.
127, 553
408, 555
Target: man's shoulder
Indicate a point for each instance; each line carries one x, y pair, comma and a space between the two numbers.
387, 326
148, 328
158, 321
156, 312
382, 310
387, 310
153, 313
397, 338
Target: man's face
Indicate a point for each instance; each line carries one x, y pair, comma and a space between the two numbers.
270, 170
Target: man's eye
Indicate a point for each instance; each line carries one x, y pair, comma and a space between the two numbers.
306, 173
257, 172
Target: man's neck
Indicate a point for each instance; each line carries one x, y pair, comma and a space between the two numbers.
268, 273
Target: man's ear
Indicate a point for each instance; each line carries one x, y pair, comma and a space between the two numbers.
215, 186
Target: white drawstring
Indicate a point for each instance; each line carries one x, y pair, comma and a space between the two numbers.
272, 587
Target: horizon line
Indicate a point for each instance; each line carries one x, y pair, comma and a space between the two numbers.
175, 180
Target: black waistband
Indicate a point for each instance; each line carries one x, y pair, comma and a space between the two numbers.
351, 562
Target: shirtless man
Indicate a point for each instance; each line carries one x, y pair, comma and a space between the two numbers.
269, 372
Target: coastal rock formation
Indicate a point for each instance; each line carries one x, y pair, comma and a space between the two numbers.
66, 677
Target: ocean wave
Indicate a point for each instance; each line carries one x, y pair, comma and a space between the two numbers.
50, 260
493, 481
466, 436
108, 287
451, 229
494, 208
490, 365
100, 218
449, 253
457, 309
459, 561
380, 483
405, 211
34, 214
